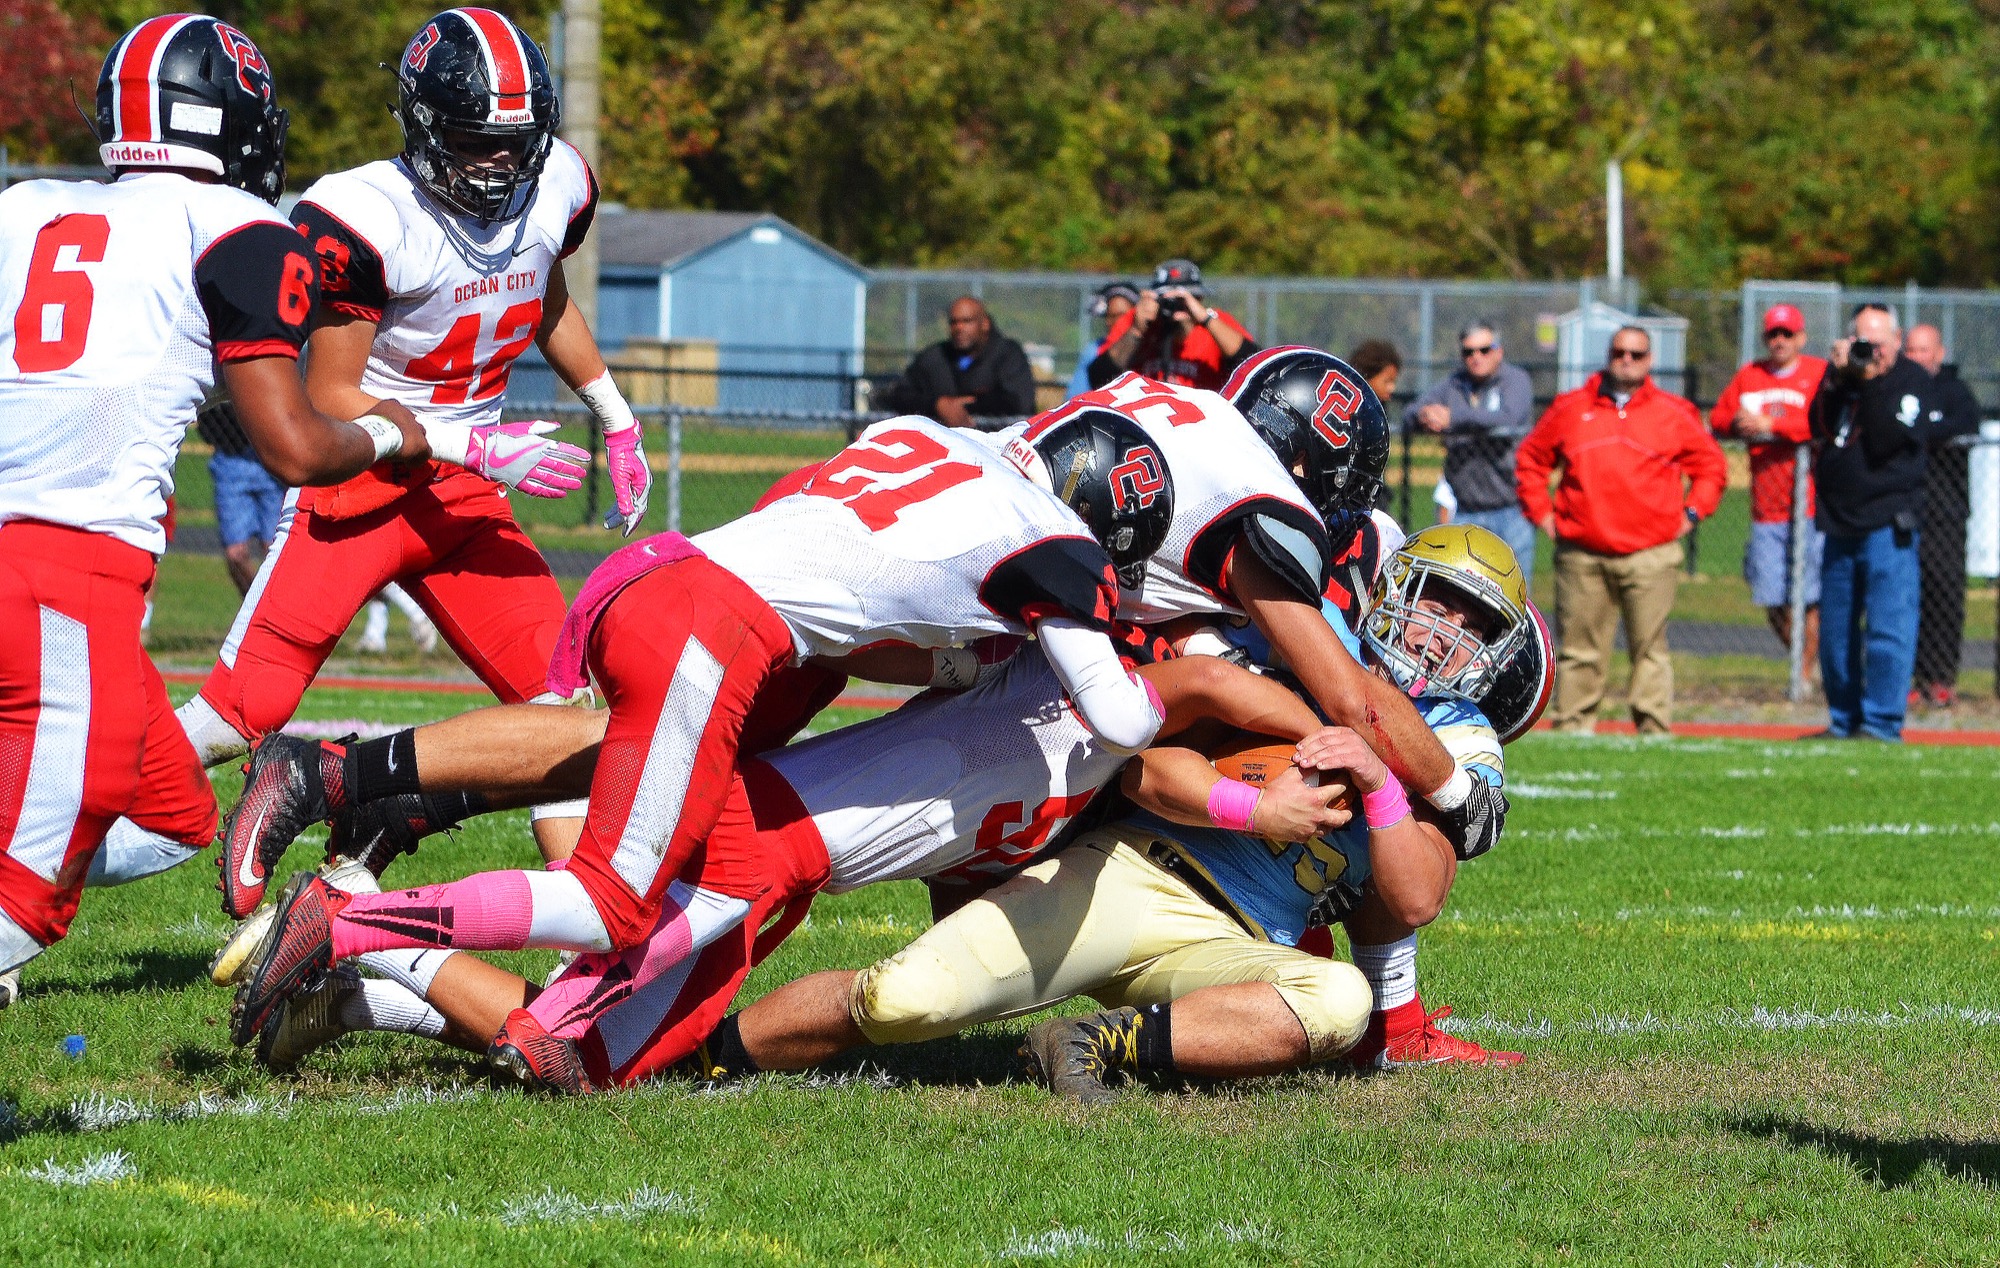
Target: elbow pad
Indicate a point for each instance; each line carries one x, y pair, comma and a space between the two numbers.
1475, 824
1124, 716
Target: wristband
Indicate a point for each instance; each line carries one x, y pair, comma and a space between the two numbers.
1387, 805
1451, 794
601, 394
450, 442
1232, 803
387, 436
954, 668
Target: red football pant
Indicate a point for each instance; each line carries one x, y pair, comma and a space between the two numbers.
764, 850
461, 556
681, 656
87, 733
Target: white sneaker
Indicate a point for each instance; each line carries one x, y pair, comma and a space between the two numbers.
373, 646
306, 1021
424, 633
10, 987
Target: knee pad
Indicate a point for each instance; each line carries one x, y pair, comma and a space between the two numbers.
906, 998
1332, 1001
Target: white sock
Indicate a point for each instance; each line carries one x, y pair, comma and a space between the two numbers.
1391, 970
409, 968
130, 852
376, 629
563, 915
214, 740
404, 604
381, 1005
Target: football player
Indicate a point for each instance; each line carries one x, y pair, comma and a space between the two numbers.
125, 303
439, 268
969, 784
1184, 919
920, 535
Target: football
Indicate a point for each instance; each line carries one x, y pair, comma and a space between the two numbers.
1258, 759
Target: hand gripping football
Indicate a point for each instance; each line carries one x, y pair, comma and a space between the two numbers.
1259, 759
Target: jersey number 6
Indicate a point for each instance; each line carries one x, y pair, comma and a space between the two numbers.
53, 322
851, 476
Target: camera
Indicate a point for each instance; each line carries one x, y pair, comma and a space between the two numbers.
1171, 304
1859, 353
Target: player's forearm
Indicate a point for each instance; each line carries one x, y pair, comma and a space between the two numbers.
1173, 783
1122, 711
1413, 868
1194, 688
301, 445
565, 337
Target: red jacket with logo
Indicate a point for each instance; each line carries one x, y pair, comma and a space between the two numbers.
1629, 474
1785, 399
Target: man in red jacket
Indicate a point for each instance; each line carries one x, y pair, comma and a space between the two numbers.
1638, 471
1765, 404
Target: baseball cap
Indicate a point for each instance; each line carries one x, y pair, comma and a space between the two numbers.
1101, 302
1784, 317
1178, 273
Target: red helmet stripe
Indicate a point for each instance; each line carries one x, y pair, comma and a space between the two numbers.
501, 43
1256, 363
135, 103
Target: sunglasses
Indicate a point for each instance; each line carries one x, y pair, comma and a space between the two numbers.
1631, 354
1779, 332
1475, 352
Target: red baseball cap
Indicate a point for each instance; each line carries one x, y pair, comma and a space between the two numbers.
1784, 317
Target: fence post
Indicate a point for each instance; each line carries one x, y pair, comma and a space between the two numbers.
590, 489
1801, 526
1404, 518
673, 471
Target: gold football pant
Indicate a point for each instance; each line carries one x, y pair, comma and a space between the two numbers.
1102, 920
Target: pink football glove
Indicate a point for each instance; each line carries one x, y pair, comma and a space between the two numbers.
631, 478
519, 456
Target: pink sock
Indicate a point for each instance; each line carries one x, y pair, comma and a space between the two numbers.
590, 987
487, 912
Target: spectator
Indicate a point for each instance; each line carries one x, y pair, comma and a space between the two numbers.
248, 498
1765, 405
975, 372
1380, 364
1113, 300
1482, 409
1195, 345
1941, 525
1872, 418
1638, 471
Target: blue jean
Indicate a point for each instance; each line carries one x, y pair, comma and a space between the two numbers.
247, 498
1868, 608
1510, 526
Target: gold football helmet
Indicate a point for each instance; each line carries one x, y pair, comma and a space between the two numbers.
1450, 609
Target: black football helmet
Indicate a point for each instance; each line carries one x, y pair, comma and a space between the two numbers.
187, 91
1105, 467
472, 87
1318, 414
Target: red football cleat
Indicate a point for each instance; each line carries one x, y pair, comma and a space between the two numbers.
293, 955
1408, 1036
284, 793
528, 1054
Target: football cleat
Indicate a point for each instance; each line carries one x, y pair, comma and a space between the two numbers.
1079, 1057
307, 1021
231, 964
375, 832
1426, 1043
295, 952
10, 987
284, 793
531, 1056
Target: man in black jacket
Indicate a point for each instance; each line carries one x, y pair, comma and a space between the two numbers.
1941, 525
976, 371
1871, 419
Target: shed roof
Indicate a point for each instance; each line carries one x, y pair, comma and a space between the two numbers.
663, 239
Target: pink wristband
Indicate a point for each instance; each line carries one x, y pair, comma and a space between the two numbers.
1231, 803
1387, 805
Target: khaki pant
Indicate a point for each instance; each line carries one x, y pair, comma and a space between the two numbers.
1098, 919
1592, 592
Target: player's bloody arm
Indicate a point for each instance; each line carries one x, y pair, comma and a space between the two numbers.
1349, 694
299, 444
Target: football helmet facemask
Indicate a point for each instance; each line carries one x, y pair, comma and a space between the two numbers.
187, 91
1320, 417
1103, 466
479, 112
1450, 609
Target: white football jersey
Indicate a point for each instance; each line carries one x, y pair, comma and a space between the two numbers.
1226, 479
456, 301
919, 534
116, 303
970, 783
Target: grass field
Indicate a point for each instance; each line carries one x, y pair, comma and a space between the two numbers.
1756, 985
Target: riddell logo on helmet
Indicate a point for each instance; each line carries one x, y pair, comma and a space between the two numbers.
519, 115
135, 152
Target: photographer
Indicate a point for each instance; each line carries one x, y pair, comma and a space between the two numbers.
1172, 335
1871, 419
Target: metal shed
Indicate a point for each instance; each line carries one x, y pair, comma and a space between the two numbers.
784, 312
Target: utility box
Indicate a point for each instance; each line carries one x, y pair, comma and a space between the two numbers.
1583, 338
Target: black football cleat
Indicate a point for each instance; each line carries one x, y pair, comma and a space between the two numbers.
375, 833
1082, 1058
284, 793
